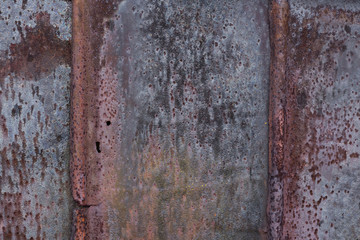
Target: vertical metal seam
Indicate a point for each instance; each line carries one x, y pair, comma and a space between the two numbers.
77, 106
278, 14
78, 124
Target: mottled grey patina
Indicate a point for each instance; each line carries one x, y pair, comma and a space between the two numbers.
183, 119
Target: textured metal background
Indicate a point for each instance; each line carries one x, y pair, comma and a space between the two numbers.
315, 136
323, 192
179, 145
168, 117
35, 67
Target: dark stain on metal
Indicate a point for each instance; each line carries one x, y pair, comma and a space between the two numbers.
39, 52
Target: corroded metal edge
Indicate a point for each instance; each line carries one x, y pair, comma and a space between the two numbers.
77, 123
86, 159
278, 14
77, 108
79, 224
88, 33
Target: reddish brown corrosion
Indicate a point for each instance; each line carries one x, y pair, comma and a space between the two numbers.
88, 29
86, 165
279, 14
311, 131
79, 224
39, 52
307, 135
88, 223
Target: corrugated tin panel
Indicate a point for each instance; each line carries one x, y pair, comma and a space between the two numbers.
170, 118
35, 67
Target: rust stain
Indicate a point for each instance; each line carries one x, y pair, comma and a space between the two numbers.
39, 52
87, 115
27, 206
306, 139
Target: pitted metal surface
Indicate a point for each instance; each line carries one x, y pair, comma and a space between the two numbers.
319, 161
180, 147
166, 119
323, 121
35, 67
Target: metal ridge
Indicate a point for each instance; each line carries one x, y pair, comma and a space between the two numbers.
278, 14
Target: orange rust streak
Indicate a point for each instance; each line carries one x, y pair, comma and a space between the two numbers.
279, 14
80, 224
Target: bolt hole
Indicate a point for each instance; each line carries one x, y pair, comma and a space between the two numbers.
108, 123
98, 147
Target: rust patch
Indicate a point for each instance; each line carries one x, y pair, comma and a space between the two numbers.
88, 223
89, 24
34, 74
39, 52
80, 224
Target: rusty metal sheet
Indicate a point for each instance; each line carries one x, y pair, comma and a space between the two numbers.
319, 164
35, 67
169, 119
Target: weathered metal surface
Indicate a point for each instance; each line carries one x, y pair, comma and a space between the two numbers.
321, 163
278, 14
170, 118
35, 67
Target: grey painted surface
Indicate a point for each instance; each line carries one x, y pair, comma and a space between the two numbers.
185, 88
35, 62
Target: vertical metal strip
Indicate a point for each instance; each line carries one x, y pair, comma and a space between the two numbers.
78, 104
279, 13
89, 22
